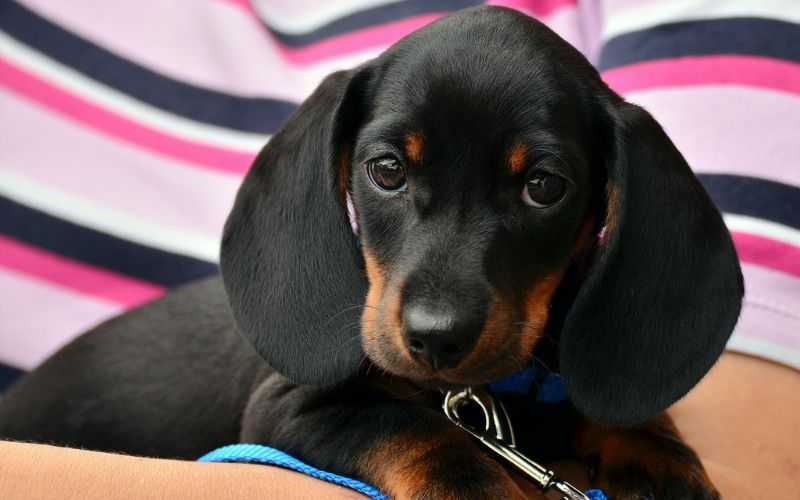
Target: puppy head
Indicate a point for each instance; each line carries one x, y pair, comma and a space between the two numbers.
482, 155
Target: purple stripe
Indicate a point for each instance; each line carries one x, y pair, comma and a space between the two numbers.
179, 42
125, 178
28, 335
731, 130
201, 43
107, 121
776, 295
78, 277
707, 70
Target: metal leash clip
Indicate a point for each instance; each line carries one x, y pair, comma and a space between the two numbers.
498, 436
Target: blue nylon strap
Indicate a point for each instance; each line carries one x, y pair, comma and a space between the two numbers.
551, 388
519, 382
255, 453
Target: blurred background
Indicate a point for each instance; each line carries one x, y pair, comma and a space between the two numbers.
126, 127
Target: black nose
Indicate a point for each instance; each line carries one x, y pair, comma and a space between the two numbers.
439, 339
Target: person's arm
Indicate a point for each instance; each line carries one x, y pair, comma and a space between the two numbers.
742, 419
29, 471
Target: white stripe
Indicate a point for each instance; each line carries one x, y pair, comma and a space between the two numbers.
76, 83
648, 14
106, 219
298, 17
761, 227
764, 349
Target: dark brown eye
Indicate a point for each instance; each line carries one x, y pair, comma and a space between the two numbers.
387, 173
543, 189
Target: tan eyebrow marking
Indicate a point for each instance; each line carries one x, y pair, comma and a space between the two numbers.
516, 158
413, 146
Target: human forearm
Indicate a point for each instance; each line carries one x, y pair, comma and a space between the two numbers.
31, 471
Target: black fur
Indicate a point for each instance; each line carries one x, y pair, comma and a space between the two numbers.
637, 319
291, 268
170, 379
665, 292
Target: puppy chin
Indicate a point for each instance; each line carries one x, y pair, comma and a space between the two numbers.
385, 353
446, 379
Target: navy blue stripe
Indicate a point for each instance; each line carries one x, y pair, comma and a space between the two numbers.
258, 115
746, 36
97, 249
8, 375
755, 197
375, 16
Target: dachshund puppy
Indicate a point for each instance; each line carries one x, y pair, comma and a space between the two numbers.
472, 202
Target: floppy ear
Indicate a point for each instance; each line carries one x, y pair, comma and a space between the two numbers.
289, 260
665, 290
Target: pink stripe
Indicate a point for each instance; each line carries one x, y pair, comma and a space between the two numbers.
245, 5
36, 318
130, 180
107, 122
197, 42
710, 70
201, 43
381, 35
25, 259
534, 7
731, 129
767, 253
537, 8
386, 34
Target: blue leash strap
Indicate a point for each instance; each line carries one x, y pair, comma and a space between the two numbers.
256, 453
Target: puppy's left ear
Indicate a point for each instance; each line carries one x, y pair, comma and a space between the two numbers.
289, 261
665, 290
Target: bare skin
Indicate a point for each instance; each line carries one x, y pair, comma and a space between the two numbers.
35, 471
742, 422
741, 419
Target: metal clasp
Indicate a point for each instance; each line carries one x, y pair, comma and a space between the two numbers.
498, 435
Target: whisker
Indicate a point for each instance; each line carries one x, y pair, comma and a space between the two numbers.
342, 312
405, 396
536, 359
357, 336
357, 306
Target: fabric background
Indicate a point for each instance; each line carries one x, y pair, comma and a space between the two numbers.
127, 126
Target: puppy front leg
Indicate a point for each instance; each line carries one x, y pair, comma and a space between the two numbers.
404, 449
646, 461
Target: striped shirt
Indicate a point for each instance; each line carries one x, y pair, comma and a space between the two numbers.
127, 126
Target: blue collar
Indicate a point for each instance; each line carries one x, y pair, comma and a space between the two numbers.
550, 386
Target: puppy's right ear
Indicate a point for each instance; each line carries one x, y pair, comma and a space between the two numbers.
293, 275
665, 290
